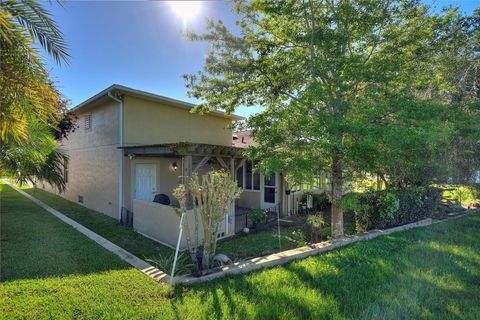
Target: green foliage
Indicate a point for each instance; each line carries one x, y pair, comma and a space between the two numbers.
346, 86
30, 105
391, 207
314, 225
299, 238
51, 271
211, 199
464, 195
257, 215
165, 262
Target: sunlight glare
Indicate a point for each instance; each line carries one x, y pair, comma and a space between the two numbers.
185, 10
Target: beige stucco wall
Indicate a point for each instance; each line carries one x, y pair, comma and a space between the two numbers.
161, 223
167, 179
148, 122
158, 222
95, 157
249, 199
94, 160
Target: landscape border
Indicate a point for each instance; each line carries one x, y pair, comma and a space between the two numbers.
244, 266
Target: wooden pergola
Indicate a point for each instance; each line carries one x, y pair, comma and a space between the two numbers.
224, 155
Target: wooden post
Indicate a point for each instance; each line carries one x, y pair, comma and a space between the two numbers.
186, 168
234, 177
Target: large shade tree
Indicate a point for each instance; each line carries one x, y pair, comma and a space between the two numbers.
321, 69
30, 106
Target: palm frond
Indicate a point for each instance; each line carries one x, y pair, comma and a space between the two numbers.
39, 23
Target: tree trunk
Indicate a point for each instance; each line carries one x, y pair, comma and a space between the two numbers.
206, 250
337, 192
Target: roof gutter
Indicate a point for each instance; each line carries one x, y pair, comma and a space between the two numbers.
121, 144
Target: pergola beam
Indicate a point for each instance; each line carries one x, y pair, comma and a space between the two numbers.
201, 164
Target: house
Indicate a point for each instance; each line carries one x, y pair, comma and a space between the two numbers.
132, 146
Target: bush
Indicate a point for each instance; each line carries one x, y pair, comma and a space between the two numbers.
165, 263
299, 238
314, 225
320, 201
257, 215
392, 207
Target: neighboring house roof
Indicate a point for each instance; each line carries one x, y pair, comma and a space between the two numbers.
243, 139
116, 88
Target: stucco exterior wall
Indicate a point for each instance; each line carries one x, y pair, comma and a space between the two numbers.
148, 122
249, 199
94, 160
167, 179
159, 222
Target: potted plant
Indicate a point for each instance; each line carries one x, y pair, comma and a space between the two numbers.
258, 218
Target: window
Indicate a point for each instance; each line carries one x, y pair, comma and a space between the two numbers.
252, 179
65, 170
88, 121
248, 175
240, 177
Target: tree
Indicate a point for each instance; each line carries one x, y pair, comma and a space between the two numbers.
211, 199
315, 66
30, 105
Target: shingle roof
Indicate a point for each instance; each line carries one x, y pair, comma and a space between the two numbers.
243, 139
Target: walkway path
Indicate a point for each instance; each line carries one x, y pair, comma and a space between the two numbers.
126, 256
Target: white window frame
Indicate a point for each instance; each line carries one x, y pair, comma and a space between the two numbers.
244, 177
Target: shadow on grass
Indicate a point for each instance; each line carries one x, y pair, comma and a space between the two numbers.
422, 273
105, 226
35, 244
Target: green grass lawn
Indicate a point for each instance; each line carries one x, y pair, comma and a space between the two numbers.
103, 225
266, 242
51, 271
237, 248
464, 195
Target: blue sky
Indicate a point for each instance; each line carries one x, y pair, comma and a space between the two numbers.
139, 44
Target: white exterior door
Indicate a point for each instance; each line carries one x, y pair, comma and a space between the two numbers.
145, 181
269, 188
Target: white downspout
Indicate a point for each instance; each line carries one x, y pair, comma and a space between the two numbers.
122, 165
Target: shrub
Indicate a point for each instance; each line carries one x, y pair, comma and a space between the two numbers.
392, 207
299, 238
165, 263
257, 215
315, 223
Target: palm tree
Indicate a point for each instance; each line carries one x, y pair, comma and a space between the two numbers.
30, 105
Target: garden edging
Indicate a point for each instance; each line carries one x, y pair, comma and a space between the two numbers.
298, 253
244, 266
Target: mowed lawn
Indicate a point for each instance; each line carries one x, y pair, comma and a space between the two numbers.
103, 225
51, 271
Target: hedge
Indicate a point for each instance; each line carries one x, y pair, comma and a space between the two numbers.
391, 207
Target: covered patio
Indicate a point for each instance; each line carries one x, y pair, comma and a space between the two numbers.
152, 172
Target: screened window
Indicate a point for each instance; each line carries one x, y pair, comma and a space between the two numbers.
240, 177
252, 179
248, 176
